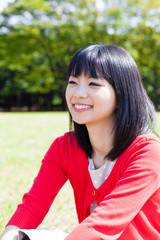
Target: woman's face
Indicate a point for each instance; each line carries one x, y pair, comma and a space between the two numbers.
90, 100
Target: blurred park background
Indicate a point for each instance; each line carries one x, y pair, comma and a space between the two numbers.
38, 38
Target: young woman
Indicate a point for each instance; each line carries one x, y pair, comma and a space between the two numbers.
110, 159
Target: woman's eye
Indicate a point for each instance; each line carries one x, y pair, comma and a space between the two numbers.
93, 84
72, 82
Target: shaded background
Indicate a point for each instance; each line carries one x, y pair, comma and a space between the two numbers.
38, 38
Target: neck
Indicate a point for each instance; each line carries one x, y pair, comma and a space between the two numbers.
102, 142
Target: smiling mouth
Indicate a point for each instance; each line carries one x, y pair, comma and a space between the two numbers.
81, 107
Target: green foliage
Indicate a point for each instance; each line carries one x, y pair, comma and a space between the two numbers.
38, 38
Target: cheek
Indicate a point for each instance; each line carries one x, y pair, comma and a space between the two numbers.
68, 96
108, 97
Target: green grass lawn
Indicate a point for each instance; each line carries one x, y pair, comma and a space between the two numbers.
158, 123
24, 139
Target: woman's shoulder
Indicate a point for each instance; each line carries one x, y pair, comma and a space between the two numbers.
146, 139
64, 144
66, 141
67, 137
144, 143
143, 153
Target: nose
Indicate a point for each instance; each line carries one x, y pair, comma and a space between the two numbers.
81, 92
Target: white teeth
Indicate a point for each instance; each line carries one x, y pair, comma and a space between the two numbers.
81, 106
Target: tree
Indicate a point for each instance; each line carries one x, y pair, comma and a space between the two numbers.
44, 42
39, 37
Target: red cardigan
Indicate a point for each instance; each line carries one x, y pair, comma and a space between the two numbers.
128, 201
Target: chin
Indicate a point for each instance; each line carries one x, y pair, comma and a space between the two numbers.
79, 121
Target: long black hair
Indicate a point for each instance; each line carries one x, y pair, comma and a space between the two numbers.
135, 112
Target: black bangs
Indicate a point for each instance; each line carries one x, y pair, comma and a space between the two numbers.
90, 62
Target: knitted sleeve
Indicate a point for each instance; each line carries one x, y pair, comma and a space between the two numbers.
140, 179
37, 201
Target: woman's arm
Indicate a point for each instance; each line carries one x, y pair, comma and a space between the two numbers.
37, 201
10, 233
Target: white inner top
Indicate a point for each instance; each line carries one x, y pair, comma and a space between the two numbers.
99, 176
